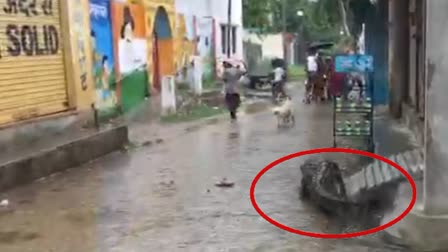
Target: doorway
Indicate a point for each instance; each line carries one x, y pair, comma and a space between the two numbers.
163, 55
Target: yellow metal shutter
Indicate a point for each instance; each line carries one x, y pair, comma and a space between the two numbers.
32, 70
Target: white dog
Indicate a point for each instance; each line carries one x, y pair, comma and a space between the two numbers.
285, 113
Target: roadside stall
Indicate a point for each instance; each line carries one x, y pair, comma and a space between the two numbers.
353, 108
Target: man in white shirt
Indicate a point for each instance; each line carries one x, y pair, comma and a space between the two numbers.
279, 80
279, 74
311, 70
311, 63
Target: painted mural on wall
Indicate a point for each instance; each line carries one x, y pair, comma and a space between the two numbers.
79, 26
189, 27
152, 9
185, 46
163, 47
130, 46
102, 54
205, 47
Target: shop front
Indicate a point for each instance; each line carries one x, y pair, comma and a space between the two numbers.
32, 68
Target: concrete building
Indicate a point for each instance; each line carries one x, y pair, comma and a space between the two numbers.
135, 44
99, 58
217, 12
50, 76
270, 46
47, 76
373, 16
46, 91
417, 73
77, 62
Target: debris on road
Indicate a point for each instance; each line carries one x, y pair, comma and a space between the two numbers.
5, 207
4, 203
224, 183
130, 147
170, 183
147, 143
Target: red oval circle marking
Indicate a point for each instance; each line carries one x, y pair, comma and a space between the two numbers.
333, 236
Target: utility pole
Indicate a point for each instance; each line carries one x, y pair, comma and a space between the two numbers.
284, 27
301, 38
229, 25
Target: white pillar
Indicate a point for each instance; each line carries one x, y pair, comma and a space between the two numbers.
197, 75
436, 177
425, 228
168, 95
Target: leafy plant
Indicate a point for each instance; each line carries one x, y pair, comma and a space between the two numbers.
322, 19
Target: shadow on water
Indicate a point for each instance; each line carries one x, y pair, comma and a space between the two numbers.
392, 138
368, 218
234, 135
320, 187
10, 237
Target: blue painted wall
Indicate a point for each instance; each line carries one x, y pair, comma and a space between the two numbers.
377, 46
103, 55
162, 24
100, 23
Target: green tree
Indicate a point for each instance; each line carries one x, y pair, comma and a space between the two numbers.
323, 19
256, 15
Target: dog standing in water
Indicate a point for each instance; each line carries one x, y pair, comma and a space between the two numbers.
285, 113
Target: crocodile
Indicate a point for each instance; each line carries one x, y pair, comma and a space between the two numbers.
372, 187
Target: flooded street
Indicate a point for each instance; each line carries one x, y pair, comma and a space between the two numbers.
163, 197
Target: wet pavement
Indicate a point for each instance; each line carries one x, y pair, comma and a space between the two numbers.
163, 197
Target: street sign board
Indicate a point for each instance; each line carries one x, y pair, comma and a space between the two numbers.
354, 63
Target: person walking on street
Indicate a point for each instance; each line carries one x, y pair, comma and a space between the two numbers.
278, 84
311, 70
231, 77
319, 82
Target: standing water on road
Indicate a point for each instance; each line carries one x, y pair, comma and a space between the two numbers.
163, 197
